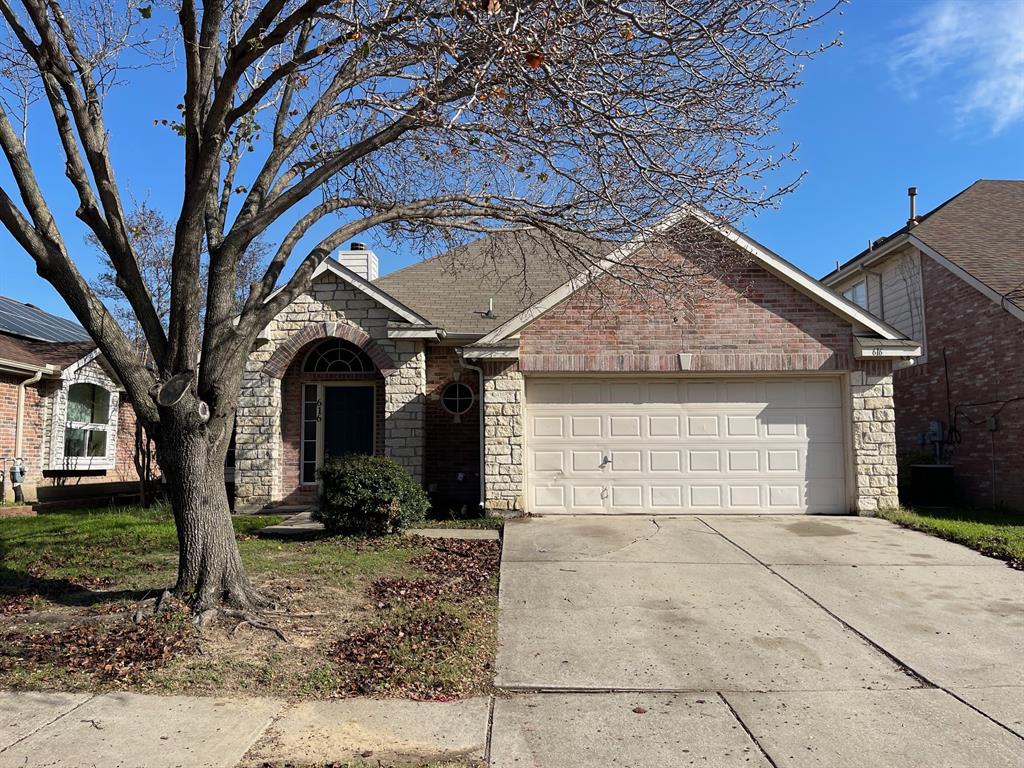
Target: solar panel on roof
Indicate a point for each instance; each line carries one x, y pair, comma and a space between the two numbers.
31, 322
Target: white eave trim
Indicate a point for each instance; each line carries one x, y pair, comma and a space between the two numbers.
362, 284
769, 260
415, 333
13, 366
866, 260
968, 278
80, 363
492, 353
870, 348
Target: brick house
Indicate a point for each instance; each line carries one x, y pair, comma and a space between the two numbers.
954, 279
498, 378
60, 408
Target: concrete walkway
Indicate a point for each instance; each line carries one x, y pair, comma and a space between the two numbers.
58, 730
763, 641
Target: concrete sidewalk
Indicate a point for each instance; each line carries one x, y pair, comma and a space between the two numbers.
125, 730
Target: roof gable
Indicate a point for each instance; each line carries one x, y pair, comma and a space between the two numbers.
770, 261
378, 294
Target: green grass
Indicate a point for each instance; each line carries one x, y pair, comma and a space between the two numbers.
64, 568
994, 533
131, 547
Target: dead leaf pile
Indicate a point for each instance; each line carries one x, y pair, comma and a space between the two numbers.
374, 660
107, 652
466, 565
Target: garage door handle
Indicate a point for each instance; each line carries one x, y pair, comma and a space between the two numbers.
605, 460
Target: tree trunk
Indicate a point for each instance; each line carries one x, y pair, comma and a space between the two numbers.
210, 573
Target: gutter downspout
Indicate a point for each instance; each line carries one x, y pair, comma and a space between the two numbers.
20, 418
480, 405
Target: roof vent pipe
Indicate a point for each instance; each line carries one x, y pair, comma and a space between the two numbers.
912, 194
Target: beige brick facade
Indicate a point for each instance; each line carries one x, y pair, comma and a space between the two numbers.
504, 400
874, 441
332, 309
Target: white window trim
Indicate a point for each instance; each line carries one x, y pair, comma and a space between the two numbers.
848, 292
79, 374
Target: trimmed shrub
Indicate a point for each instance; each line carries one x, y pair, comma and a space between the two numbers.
369, 496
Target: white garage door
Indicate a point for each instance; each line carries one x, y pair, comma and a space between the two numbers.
684, 445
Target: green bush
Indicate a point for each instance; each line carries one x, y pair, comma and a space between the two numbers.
369, 496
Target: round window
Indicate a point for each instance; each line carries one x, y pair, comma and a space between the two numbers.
457, 397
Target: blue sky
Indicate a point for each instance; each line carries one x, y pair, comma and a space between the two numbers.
927, 93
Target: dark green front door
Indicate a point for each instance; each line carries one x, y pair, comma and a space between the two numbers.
348, 420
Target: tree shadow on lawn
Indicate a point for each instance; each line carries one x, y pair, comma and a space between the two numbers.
83, 592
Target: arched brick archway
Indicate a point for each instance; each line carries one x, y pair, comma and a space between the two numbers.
283, 356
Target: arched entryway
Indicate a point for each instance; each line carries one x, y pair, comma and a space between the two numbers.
333, 403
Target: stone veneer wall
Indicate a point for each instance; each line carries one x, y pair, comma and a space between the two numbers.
504, 399
333, 308
874, 441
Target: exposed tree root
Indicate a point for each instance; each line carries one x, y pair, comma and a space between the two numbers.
255, 622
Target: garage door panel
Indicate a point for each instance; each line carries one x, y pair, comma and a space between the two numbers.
585, 426
624, 426
705, 497
666, 497
700, 392
626, 461
703, 425
704, 446
587, 461
705, 461
546, 426
663, 426
665, 461
548, 461
584, 496
783, 460
826, 461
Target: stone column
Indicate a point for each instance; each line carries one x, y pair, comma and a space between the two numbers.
504, 398
404, 407
257, 438
874, 442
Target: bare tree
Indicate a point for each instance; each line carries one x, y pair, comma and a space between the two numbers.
426, 118
152, 240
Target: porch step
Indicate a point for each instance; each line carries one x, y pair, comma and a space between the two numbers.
298, 525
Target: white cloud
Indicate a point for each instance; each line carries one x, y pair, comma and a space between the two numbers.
969, 51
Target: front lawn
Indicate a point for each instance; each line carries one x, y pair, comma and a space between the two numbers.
396, 616
997, 534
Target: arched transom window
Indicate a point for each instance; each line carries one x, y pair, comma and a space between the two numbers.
337, 356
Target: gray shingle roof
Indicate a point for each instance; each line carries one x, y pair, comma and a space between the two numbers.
981, 230
515, 269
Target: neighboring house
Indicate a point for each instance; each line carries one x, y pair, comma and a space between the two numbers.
954, 280
60, 408
500, 381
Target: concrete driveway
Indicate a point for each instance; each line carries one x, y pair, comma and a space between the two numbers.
770, 641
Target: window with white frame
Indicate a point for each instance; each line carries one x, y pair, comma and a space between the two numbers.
857, 293
88, 425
